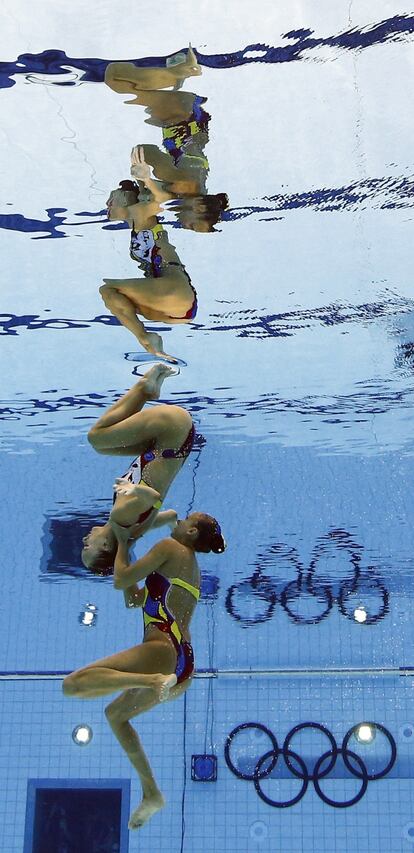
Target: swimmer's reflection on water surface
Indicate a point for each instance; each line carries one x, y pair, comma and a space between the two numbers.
165, 293
182, 166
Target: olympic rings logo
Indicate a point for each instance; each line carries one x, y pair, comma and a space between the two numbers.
296, 765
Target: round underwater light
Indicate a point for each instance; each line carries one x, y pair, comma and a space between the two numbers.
82, 735
360, 614
408, 832
365, 733
407, 731
88, 616
258, 831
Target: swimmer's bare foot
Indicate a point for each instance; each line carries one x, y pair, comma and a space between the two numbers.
153, 379
192, 62
163, 684
148, 807
153, 344
180, 60
184, 65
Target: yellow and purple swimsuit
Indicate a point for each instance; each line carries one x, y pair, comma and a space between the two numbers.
156, 612
178, 136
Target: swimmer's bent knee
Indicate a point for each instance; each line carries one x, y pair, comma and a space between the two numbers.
106, 290
111, 713
70, 686
93, 436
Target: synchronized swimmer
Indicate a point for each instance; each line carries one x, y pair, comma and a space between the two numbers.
161, 667
161, 438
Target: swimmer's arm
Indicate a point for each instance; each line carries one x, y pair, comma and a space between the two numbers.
143, 214
141, 171
127, 507
164, 518
134, 596
155, 188
126, 573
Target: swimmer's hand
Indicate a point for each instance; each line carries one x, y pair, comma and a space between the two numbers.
140, 170
123, 486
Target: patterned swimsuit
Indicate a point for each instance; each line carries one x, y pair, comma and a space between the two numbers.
156, 612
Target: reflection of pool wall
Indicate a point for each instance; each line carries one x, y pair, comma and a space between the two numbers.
299, 506
37, 743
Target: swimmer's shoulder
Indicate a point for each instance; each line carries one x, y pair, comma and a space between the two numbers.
178, 556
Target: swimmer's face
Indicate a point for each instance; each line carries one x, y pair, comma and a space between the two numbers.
96, 542
115, 205
110, 204
187, 529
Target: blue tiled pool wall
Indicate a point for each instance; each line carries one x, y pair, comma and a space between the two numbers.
38, 744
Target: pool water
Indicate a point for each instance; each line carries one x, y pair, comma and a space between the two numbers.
298, 372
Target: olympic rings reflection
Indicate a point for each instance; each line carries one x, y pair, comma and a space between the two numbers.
324, 765
318, 594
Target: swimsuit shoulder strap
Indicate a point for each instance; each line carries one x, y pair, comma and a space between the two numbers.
158, 503
185, 585
157, 230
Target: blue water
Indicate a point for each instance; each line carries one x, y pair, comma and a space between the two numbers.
298, 372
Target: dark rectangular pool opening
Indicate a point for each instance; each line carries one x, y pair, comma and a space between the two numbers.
65, 815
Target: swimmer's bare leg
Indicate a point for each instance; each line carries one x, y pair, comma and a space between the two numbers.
127, 412
119, 713
171, 107
125, 311
148, 665
125, 77
99, 680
